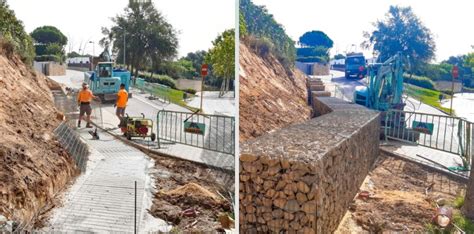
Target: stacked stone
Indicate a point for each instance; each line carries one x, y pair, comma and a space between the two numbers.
277, 195
301, 179
54, 69
317, 88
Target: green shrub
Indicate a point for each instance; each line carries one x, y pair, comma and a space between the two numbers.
419, 81
40, 49
459, 201
447, 92
464, 223
314, 59
262, 46
12, 31
161, 79
260, 23
319, 51
7, 48
467, 89
191, 91
48, 57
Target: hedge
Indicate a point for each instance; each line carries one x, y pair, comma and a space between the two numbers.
48, 57
189, 90
313, 59
160, 79
420, 81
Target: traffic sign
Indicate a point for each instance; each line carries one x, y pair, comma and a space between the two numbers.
455, 72
204, 69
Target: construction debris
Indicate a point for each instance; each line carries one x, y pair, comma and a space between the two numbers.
402, 203
190, 201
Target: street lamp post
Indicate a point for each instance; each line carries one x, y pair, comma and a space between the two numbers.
93, 48
93, 54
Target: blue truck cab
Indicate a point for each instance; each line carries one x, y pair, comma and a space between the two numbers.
105, 81
355, 66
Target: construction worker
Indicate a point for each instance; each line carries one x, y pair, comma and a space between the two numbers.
122, 99
84, 99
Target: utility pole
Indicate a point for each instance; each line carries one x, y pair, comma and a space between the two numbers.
454, 75
93, 48
452, 97
204, 71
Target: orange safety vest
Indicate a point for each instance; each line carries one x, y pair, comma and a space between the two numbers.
122, 98
85, 96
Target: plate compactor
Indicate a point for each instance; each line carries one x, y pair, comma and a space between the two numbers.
137, 127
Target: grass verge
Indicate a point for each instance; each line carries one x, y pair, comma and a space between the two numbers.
173, 95
427, 96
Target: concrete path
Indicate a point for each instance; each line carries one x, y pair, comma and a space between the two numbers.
140, 104
103, 198
213, 104
462, 105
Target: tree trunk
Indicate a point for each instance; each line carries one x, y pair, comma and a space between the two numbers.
137, 68
468, 207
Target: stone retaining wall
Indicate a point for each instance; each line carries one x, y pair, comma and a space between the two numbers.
50, 68
54, 69
303, 177
316, 69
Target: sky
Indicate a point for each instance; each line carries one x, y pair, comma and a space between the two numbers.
344, 21
198, 22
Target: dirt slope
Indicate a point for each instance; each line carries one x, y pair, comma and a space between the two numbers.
269, 98
33, 166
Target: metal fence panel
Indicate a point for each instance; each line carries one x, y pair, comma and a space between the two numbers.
218, 134
158, 91
445, 133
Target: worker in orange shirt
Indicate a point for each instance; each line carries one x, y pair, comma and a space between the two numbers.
122, 99
84, 99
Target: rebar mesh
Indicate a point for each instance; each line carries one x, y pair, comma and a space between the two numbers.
65, 132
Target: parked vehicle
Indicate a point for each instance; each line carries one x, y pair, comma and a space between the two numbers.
356, 66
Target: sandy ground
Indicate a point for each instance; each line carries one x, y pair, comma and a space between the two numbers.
191, 201
269, 98
33, 165
402, 198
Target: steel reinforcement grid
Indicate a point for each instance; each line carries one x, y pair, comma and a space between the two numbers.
73, 144
65, 133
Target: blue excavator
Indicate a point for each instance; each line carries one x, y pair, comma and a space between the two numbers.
385, 86
385, 92
104, 81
